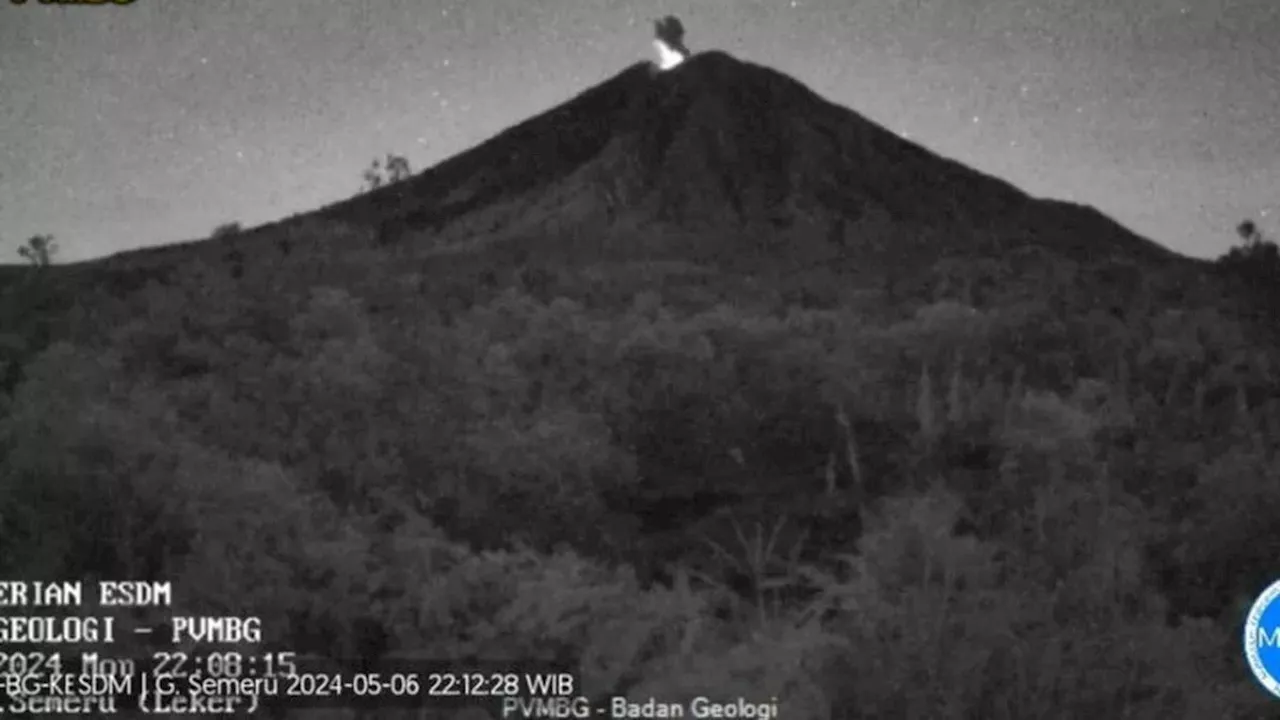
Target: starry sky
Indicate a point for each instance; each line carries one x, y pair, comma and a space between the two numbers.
153, 122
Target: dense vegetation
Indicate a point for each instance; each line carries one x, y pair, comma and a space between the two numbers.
1006, 488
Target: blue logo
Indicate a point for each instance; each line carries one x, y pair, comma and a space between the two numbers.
1262, 639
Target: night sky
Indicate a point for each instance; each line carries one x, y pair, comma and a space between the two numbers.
154, 122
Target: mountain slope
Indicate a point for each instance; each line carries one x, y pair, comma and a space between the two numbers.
721, 144
720, 164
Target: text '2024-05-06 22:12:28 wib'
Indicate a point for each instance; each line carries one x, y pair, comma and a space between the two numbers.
64, 662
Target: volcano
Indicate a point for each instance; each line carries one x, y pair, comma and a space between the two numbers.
716, 161
724, 159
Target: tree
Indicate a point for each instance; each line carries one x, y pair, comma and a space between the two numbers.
39, 250
1248, 231
226, 230
1256, 260
391, 170
397, 167
373, 175
1255, 248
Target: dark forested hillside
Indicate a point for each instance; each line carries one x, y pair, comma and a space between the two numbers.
844, 424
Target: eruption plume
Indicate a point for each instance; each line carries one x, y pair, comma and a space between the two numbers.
669, 42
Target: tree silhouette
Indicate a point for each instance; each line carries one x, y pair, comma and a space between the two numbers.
373, 175
391, 170
226, 229
1248, 231
39, 250
1256, 251
397, 167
